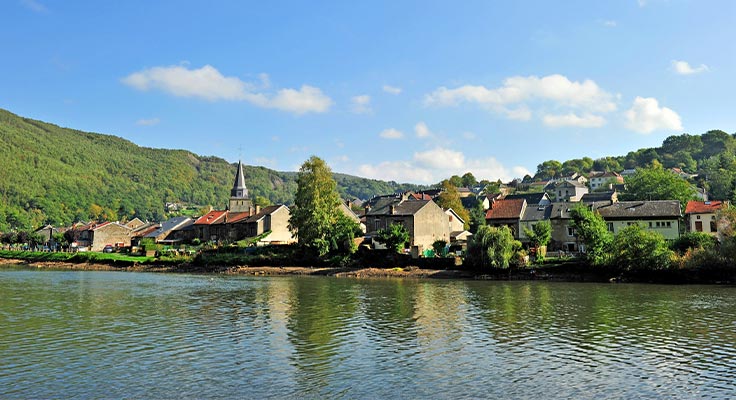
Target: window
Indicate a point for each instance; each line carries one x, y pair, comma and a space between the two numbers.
697, 217
610, 226
650, 224
698, 226
669, 224
713, 227
658, 224
377, 223
570, 231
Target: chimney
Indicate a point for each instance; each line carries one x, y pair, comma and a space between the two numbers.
367, 209
392, 209
258, 209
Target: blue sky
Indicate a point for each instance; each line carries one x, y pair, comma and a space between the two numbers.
405, 91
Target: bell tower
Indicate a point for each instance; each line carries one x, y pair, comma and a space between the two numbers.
239, 200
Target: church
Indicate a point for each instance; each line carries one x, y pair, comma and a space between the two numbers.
243, 219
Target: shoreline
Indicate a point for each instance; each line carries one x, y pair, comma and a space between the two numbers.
550, 273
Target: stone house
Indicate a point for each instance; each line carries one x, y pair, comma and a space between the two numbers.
96, 236
564, 237
166, 232
567, 190
700, 216
271, 218
424, 219
532, 215
507, 212
601, 179
661, 216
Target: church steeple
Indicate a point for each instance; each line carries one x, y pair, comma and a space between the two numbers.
239, 201
239, 189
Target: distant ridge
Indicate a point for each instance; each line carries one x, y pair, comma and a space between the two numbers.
59, 176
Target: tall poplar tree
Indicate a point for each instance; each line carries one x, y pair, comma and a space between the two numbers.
316, 219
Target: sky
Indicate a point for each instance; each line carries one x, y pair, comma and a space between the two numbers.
410, 91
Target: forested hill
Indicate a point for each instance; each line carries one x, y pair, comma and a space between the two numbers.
50, 174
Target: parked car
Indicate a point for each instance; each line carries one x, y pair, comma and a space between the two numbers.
108, 249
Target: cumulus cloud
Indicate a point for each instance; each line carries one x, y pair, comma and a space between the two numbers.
392, 89
610, 23
361, 104
436, 164
391, 133
209, 84
515, 96
422, 130
148, 122
571, 119
684, 68
646, 116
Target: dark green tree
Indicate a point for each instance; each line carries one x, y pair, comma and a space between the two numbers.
657, 183
394, 237
591, 229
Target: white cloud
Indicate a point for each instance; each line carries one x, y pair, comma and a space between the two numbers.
514, 98
34, 5
391, 133
469, 135
392, 89
440, 158
422, 130
209, 84
684, 68
361, 104
610, 23
440, 163
646, 116
571, 119
148, 122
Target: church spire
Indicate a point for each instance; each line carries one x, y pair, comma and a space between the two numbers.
239, 189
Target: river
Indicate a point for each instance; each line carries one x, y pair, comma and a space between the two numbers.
91, 334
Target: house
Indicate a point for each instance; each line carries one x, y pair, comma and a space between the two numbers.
455, 223
700, 216
564, 237
567, 191
211, 226
348, 212
273, 219
166, 232
600, 180
424, 219
537, 199
135, 223
464, 192
96, 236
598, 197
489, 199
46, 233
507, 212
661, 216
532, 215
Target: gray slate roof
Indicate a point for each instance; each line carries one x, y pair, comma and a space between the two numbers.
531, 198
596, 196
406, 207
170, 225
537, 213
641, 209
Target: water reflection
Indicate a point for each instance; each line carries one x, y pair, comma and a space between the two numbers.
102, 334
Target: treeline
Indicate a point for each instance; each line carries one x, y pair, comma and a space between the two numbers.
54, 175
712, 156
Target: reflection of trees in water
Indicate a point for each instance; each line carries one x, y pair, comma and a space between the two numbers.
320, 322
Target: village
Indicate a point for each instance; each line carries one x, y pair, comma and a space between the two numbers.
515, 205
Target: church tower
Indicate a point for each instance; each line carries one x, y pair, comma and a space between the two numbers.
239, 201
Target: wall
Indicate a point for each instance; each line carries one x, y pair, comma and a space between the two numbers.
110, 234
278, 223
430, 225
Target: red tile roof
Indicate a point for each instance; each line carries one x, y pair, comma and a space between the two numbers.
212, 217
703, 207
233, 217
506, 209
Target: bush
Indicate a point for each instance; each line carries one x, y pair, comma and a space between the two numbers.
637, 249
694, 240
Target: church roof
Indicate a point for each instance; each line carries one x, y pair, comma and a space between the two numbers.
239, 188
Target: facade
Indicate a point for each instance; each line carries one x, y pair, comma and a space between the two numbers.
662, 216
571, 190
97, 236
600, 180
532, 215
271, 218
564, 237
507, 212
700, 216
424, 219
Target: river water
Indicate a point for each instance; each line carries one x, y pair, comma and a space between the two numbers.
71, 334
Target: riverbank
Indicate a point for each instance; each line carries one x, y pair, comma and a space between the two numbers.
569, 271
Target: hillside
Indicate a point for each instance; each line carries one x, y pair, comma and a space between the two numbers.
58, 175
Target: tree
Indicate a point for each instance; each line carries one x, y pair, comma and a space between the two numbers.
450, 198
468, 180
493, 247
395, 237
607, 164
548, 170
316, 206
657, 183
591, 229
456, 181
261, 201
540, 234
637, 249
439, 247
